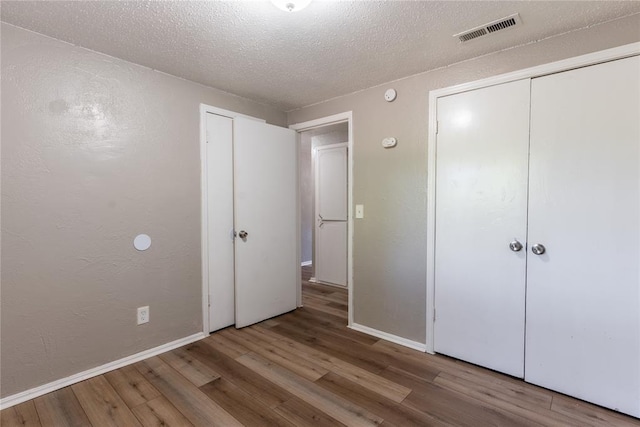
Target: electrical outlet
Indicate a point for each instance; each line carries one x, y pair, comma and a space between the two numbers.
143, 315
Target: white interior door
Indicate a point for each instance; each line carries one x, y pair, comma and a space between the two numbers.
331, 207
220, 221
481, 190
583, 293
266, 205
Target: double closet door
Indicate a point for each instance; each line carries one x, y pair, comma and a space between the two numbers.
537, 256
252, 185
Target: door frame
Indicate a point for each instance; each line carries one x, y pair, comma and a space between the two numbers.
204, 197
612, 54
346, 117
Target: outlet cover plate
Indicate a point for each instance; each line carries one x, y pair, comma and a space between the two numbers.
143, 315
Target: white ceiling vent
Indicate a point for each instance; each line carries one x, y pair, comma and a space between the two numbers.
491, 27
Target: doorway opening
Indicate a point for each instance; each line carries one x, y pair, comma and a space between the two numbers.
326, 225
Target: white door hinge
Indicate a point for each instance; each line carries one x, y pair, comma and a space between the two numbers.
209, 300
437, 126
434, 314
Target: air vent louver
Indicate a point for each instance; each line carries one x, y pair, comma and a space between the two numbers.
472, 35
491, 27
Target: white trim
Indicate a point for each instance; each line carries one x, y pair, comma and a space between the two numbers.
204, 108
204, 229
17, 398
389, 337
334, 285
299, 228
325, 121
528, 73
312, 280
541, 70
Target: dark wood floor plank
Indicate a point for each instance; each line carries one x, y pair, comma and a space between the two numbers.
159, 412
306, 368
262, 337
269, 323
587, 414
355, 373
249, 411
515, 403
190, 368
21, 415
511, 390
317, 321
228, 347
320, 316
61, 408
301, 414
318, 304
255, 385
187, 398
132, 387
338, 306
387, 409
449, 406
339, 408
355, 352
315, 289
337, 350
424, 365
102, 404
341, 297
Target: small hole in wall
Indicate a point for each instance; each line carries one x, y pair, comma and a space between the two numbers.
142, 242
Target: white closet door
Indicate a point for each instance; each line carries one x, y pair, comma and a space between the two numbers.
220, 221
331, 182
583, 293
481, 189
331, 214
265, 161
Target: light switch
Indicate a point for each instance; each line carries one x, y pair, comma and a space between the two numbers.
359, 211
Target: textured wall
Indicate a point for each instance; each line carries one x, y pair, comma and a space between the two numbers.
94, 151
390, 242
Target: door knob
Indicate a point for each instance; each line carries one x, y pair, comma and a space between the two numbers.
515, 246
243, 234
538, 249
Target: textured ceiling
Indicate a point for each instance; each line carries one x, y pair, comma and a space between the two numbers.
290, 60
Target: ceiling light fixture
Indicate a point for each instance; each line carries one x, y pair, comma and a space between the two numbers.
291, 5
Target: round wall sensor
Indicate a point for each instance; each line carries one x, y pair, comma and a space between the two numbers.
142, 242
389, 142
390, 95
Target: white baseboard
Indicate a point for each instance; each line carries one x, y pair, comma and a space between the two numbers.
17, 398
305, 263
389, 337
312, 280
329, 284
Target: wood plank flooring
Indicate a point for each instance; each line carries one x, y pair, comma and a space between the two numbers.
305, 368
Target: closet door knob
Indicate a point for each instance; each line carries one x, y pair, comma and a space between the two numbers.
515, 246
538, 249
243, 234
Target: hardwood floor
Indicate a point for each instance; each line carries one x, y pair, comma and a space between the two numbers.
305, 368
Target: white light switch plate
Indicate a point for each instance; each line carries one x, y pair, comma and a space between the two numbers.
359, 211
